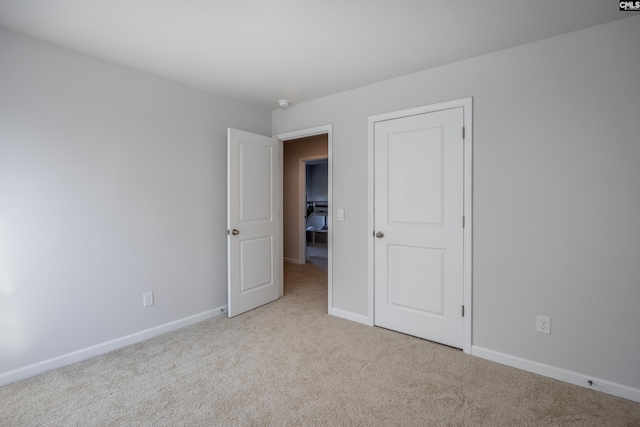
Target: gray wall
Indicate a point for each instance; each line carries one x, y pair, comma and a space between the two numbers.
556, 193
112, 183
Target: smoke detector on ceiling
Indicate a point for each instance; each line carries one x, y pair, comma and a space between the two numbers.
284, 103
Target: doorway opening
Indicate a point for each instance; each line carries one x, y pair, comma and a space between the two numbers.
305, 196
307, 218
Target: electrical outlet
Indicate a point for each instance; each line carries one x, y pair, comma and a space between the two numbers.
543, 325
147, 299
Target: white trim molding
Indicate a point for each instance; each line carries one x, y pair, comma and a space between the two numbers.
467, 106
354, 317
560, 374
105, 347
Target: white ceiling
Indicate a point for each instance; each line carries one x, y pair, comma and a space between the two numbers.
259, 51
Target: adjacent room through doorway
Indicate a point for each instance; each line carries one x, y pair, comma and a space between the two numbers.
306, 216
316, 224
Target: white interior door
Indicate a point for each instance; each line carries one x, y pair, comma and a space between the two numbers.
254, 220
418, 214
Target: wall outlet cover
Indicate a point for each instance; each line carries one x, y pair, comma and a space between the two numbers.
147, 299
543, 324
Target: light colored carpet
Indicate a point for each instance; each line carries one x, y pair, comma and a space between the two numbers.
289, 363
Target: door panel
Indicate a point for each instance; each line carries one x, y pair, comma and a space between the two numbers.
415, 168
254, 223
256, 260
420, 292
419, 188
256, 175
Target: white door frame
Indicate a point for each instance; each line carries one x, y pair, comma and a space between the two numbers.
320, 130
466, 104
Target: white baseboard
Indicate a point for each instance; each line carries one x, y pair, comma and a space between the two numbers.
571, 377
351, 316
105, 347
293, 261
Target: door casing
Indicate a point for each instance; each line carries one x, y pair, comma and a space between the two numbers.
466, 104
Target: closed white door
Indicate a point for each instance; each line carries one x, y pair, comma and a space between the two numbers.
254, 220
418, 217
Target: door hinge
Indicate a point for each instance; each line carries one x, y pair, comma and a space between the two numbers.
463, 221
463, 311
463, 132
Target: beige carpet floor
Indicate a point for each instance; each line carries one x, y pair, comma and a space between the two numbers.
290, 364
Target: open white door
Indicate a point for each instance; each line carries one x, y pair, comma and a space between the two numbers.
254, 220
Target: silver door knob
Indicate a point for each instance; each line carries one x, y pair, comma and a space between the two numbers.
235, 232
379, 234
